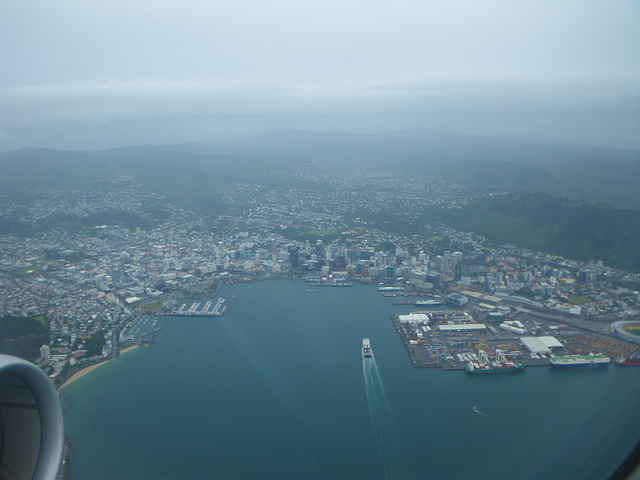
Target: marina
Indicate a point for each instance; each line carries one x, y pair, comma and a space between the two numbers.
201, 309
141, 326
141, 331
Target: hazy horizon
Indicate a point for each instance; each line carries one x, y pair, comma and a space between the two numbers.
267, 133
81, 76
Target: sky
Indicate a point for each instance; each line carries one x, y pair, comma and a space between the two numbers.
94, 75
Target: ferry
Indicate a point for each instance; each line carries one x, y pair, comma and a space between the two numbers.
580, 361
366, 348
431, 302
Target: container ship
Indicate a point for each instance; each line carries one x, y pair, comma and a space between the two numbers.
366, 348
580, 361
633, 359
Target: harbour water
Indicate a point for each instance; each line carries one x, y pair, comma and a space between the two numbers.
277, 389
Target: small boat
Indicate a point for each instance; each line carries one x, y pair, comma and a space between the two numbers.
475, 409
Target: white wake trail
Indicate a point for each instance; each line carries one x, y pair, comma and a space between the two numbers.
385, 426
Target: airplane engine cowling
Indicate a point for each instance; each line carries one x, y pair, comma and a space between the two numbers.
31, 425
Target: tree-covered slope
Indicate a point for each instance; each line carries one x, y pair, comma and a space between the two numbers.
22, 337
610, 181
573, 229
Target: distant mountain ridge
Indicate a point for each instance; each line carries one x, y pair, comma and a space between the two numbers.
427, 144
484, 164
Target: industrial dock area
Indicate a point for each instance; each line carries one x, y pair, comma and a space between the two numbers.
461, 340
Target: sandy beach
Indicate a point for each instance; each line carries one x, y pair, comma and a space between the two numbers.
84, 371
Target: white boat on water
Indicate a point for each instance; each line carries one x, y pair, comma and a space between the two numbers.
366, 348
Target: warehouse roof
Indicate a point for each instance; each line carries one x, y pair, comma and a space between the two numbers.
462, 326
551, 342
535, 345
414, 318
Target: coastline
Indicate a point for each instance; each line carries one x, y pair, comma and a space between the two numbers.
84, 371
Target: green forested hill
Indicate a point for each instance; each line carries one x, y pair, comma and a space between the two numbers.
47, 169
610, 181
573, 229
22, 337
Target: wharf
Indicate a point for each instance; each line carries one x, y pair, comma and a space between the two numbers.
151, 333
453, 350
403, 302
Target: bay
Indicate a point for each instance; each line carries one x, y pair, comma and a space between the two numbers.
277, 389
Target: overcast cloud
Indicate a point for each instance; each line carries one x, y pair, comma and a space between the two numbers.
77, 74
